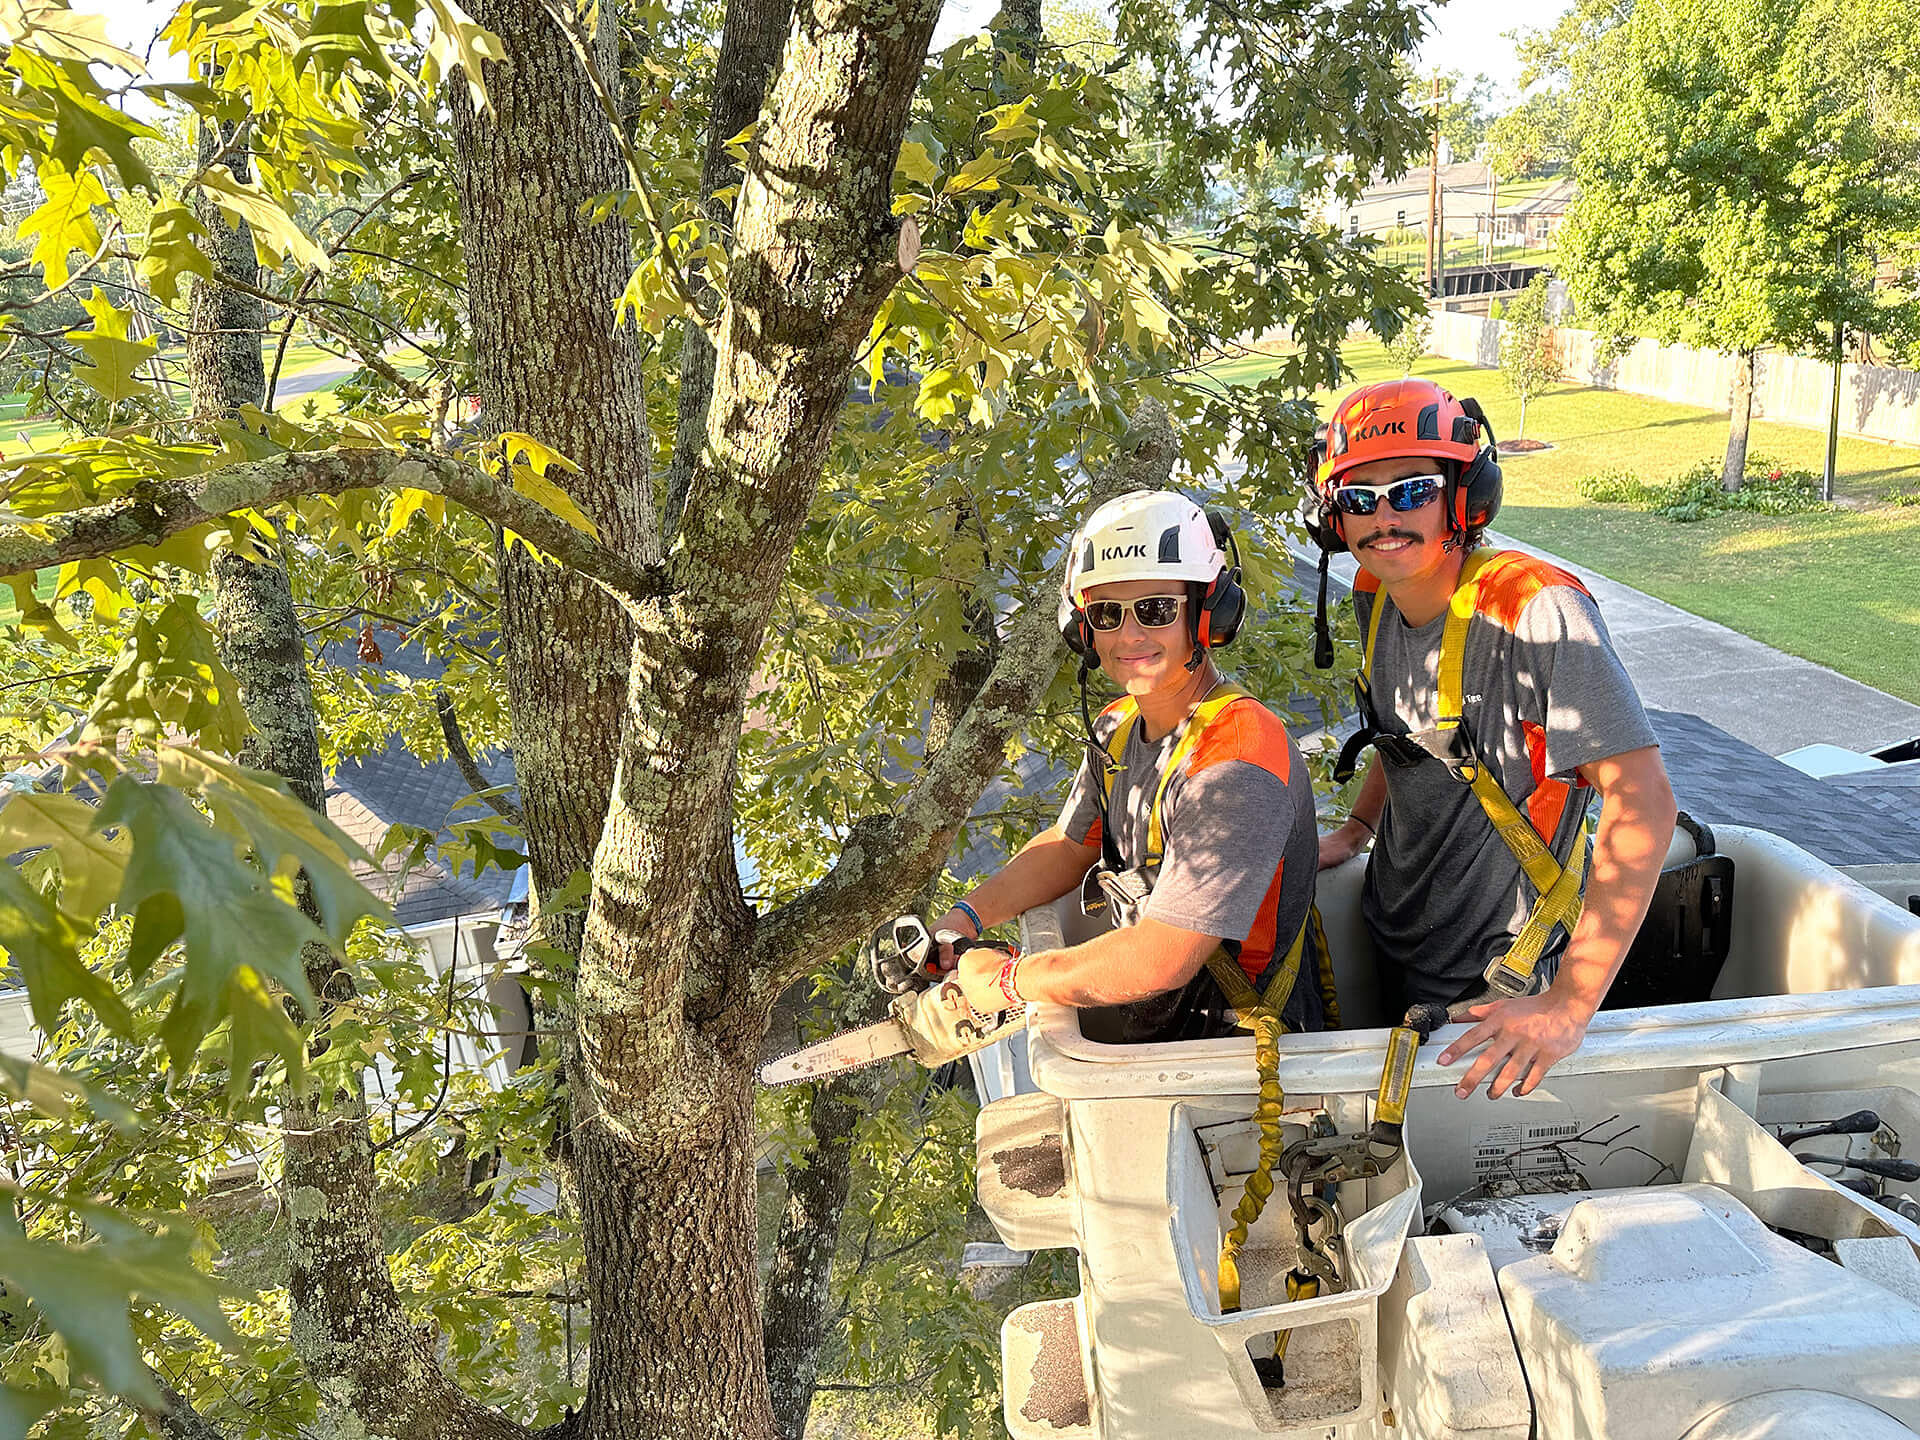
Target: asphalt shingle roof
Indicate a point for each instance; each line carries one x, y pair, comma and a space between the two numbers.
391, 787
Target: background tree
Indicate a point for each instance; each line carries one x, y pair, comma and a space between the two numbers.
1533, 138
1040, 321
1529, 358
1737, 180
1409, 342
1466, 107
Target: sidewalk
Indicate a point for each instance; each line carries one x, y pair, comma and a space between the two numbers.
1774, 701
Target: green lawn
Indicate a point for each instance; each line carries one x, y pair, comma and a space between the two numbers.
19, 435
1841, 588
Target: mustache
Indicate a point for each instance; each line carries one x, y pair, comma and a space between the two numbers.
1375, 539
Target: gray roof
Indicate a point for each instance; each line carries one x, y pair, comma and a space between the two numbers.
1868, 818
392, 786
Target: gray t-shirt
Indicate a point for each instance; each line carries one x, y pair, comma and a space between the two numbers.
1240, 848
1542, 693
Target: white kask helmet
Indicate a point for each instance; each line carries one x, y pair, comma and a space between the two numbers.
1142, 535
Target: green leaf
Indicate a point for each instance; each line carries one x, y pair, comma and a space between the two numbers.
981, 173
56, 33
173, 250
91, 864
223, 908
916, 164
64, 222
456, 42
84, 1292
84, 127
407, 503
35, 614
549, 496
111, 376
275, 232
21, 1409
284, 833
170, 679
44, 946
53, 1092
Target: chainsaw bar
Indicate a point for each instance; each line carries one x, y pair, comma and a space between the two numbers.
837, 1054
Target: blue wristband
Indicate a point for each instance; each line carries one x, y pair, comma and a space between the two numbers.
971, 914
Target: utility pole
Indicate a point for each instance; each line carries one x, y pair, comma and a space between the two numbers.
1436, 257
1493, 208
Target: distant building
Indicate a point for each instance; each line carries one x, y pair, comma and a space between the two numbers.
1386, 206
1471, 203
1535, 222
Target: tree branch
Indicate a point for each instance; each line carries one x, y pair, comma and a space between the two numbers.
174, 1417
888, 858
464, 762
157, 510
314, 311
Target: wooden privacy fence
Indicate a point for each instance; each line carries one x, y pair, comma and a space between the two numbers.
1876, 401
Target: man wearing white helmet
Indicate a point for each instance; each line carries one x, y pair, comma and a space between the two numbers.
1191, 821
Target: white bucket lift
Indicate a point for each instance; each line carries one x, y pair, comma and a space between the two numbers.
1630, 1252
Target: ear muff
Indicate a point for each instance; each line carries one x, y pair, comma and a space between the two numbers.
1322, 520
1223, 603
1475, 497
1075, 630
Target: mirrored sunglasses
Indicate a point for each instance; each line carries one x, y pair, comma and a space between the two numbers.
1154, 612
1401, 495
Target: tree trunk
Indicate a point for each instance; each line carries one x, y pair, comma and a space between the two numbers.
347, 1323
799, 1293
1733, 470
1523, 419
749, 47
542, 283
660, 1080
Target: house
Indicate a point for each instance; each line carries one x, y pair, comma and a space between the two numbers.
1535, 222
1389, 206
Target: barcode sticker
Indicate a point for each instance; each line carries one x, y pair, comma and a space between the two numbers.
1523, 1149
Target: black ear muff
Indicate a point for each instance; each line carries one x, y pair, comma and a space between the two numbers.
1323, 527
1322, 520
1223, 606
1074, 629
1476, 495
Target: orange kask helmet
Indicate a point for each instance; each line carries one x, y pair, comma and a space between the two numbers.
1395, 418
1387, 421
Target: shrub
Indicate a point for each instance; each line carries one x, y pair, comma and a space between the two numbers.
1617, 485
1695, 494
1903, 495
1770, 489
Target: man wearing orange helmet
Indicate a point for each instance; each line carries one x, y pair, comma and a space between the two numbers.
1191, 822
1495, 706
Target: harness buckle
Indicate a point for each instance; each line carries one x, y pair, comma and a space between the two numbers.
1121, 893
1508, 982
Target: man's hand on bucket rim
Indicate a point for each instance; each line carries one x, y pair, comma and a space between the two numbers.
1519, 1041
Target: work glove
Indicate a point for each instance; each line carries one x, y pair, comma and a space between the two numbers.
940, 1026
903, 955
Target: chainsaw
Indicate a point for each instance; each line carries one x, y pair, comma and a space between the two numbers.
929, 1018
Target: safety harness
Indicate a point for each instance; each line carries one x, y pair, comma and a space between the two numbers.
1255, 1010
1556, 887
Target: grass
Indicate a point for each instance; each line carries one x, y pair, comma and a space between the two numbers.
1839, 587
44, 432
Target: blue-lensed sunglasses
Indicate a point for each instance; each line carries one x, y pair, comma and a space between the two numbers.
1401, 495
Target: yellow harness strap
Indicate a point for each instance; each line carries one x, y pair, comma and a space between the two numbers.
1556, 887
1258, 1013
1191, 728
